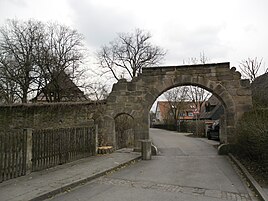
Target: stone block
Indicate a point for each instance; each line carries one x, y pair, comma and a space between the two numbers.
225, 77
237, 75
146, 151
218, 89
111, 99
230, 84
241, 99
186, 79
220, 69
224, 149
245, 83
244, 107
120, 86
243, 92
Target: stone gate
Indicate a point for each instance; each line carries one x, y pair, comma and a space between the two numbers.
136, 97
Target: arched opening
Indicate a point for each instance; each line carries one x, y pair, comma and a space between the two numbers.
195, 113
124, 131
189, 109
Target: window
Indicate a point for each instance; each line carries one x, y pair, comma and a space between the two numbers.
190, 114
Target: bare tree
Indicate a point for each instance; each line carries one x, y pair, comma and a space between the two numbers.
8, 88
129, 53
198, 96
203, 59
177, 103
61, 53
33, 54
17, 43
97, 91
250, 68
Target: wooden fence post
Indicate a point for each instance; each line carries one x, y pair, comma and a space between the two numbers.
96, 139
29, 154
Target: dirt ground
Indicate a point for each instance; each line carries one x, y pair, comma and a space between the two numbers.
259, 172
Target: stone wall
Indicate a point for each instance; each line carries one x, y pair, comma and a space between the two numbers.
53, 115
135, 99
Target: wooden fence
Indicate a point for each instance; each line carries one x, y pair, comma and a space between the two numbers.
32, 150
58, 146
12, 155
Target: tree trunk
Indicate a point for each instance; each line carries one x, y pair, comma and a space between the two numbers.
24, 97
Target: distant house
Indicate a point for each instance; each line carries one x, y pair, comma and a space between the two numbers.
212, 110
61, 89
164, 111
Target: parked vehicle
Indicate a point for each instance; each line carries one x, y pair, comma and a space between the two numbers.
214, 131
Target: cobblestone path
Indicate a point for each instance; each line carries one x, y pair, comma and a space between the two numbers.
175, 188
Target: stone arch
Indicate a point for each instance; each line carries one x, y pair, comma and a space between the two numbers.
124, 131
136, 97
123, 113
216, 89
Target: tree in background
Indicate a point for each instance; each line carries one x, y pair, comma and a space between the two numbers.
197, 94
176, 98
96, 91
17, 66
128, 54
250, 68
202, 59
179, 96
32, 54
61, 51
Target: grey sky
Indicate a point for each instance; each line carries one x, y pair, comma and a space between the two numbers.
229, 30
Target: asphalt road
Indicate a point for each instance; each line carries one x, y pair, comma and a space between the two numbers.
187, 169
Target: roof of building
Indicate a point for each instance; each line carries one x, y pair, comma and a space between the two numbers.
63, 83
165, 105
216, 111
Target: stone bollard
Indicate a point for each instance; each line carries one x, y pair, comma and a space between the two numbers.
146, 151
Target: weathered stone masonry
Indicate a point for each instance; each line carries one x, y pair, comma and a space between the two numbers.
136, 97
53, 115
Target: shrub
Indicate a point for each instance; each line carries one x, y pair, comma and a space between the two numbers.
186, 127
195, 127
252, 136
170, 127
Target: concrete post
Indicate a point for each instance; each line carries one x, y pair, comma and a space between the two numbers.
29, 154
146, 151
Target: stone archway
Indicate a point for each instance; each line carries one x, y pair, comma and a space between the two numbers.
137, 96
124, 132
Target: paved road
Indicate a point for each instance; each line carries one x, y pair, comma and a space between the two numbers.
187, 169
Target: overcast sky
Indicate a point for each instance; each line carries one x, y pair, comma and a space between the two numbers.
229, 30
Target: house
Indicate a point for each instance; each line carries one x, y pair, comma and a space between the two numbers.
165, 111
212, 109
61, 89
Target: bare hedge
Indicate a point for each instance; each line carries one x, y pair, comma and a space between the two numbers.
252, 136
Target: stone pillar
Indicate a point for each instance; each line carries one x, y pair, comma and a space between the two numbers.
141, 131
146, 151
